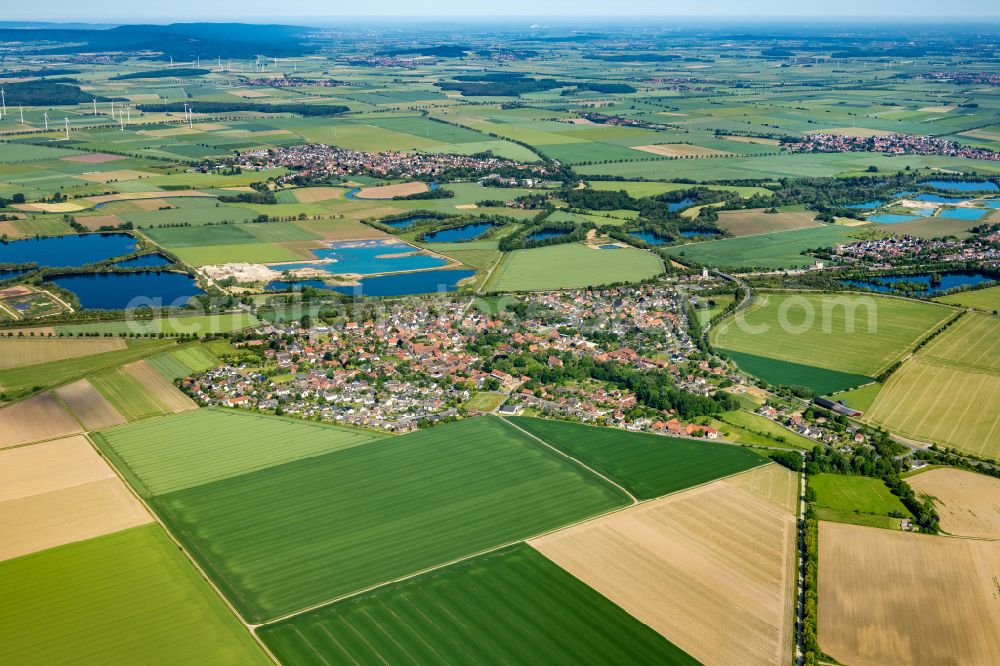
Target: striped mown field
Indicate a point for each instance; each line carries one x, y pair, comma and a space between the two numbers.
510, 606
124, 598
949, 393
284, 537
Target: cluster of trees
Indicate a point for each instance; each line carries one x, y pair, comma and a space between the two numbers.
255, 197
436, 193
568, 232
603, 88
499, 84
313, 110
652, 389
162, 73
48, 92
877, 461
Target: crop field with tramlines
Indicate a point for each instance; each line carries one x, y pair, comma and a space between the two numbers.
446, 493
827, 342
949, 392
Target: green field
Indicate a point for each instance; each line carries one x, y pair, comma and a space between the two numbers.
765, 426
859, 398
646, 465
639, 189
826, 342
987, 299
571, 265
179, 363
128, 395
769, 251
17, 381
510, 606
207, 445
949, 393
365, 514
126, 598
196, 324
855, 493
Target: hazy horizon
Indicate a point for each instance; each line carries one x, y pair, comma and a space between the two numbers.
313, 11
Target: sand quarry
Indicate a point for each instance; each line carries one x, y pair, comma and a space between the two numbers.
58, 492
711, 568
889, 597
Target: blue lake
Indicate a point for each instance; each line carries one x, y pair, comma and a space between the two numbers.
544, 234
889, 218
649, 237
405, 222
609, 247
948, 281
145, 261
697, 233
66, 251
404, 284
867, 205
7, 274
468, 232
963, 213
992, 203
677, 205
937, 198
353, 193
923, 212
961, 185
117, 291
367, 257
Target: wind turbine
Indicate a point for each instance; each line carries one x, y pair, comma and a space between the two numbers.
46, 114
190, 119
67, 128
21, 109
3, 102
128, 111
95, 106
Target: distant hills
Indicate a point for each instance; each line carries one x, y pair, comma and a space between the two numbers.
178, 40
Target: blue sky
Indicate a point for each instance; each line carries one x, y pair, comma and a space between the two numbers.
325, 11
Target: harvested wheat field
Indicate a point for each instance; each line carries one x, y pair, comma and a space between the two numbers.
679, 150
754, 221
120, 174
890, 597
93, 158
160, 387
390, 191
151, 204
852, 131
314, 194
711, 568
90, 407
17, 352
35, 419
968, 503
58, 492
95, 222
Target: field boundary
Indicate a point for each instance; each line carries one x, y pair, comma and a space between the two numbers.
180, 546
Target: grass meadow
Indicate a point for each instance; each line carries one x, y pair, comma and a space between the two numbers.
767, 250
571, 265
